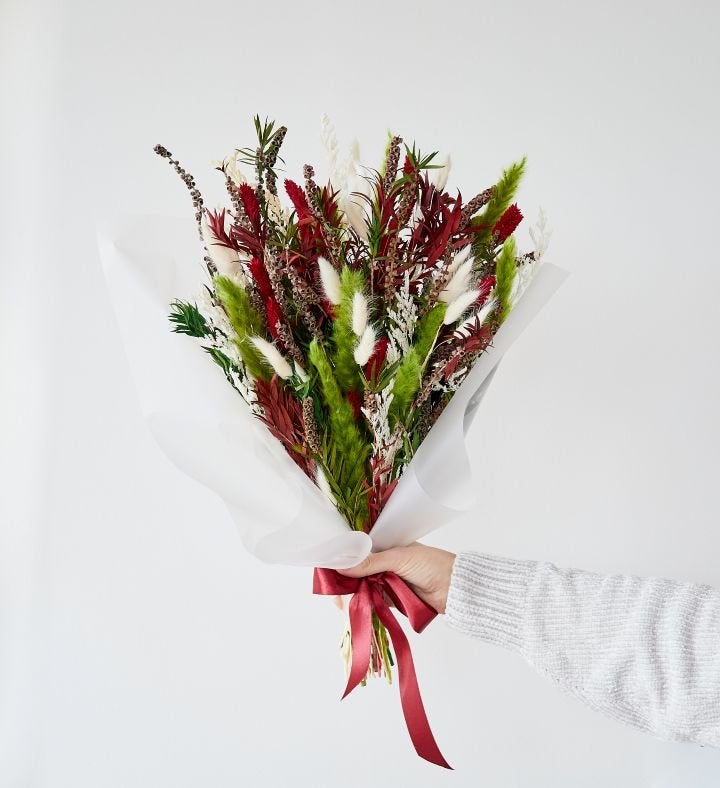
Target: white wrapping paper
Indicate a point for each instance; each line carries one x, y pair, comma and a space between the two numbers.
207, 431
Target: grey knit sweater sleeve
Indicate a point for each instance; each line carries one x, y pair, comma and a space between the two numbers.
645, 651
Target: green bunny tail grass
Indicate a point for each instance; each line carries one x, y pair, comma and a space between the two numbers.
427, 331
407, 382
344, 340
410, 371
505, 272
503, 195
245, 322
344, 432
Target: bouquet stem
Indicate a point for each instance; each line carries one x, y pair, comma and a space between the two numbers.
381, 661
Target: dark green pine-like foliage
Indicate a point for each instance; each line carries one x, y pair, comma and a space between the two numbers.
187, 319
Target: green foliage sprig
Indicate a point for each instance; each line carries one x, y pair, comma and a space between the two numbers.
187, 319
503, 194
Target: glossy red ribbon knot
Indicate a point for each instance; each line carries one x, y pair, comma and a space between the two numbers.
368, 597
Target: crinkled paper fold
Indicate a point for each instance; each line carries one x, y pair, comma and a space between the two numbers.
207, 431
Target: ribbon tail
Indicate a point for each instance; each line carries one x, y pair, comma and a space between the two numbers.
410, 699
360, 612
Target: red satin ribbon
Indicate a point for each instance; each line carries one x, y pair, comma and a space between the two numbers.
368, 597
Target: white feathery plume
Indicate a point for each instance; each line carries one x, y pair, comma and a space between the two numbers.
458, 283
324, 484
459, 305
226, 260
355, 216
330, 280
540, 235
385, 440
365, 347
481, 315
359, 313
524, 274
330, 143
276, 212
230, 167
439, 176
273, 357
459, 259
403, 320
351, 204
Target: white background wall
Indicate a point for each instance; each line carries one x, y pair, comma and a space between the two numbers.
140, 646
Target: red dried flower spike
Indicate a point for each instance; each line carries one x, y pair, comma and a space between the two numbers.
507, 223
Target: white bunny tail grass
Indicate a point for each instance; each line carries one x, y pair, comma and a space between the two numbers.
300, 372
359, 313
439, 177
459, 259
459, 305
330, 281
480, 316
458, 283
365, 347
273, 357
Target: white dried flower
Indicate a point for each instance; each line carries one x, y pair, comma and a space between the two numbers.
273, 357
330, 143
355, 216
459, 259
402, 321
359, 313
365, 347
481, 315
330, 281
229, 166
384, 442
300, 372
540, 235
276, 213
458, 284
226, 260
459, 305
439, 177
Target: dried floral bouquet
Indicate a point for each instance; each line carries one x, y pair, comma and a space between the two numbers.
347, 319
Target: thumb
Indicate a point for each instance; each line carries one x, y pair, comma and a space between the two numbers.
385, 561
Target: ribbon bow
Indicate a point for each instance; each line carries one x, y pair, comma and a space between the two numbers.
368, 597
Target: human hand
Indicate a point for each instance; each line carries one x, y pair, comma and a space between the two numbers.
425, 569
